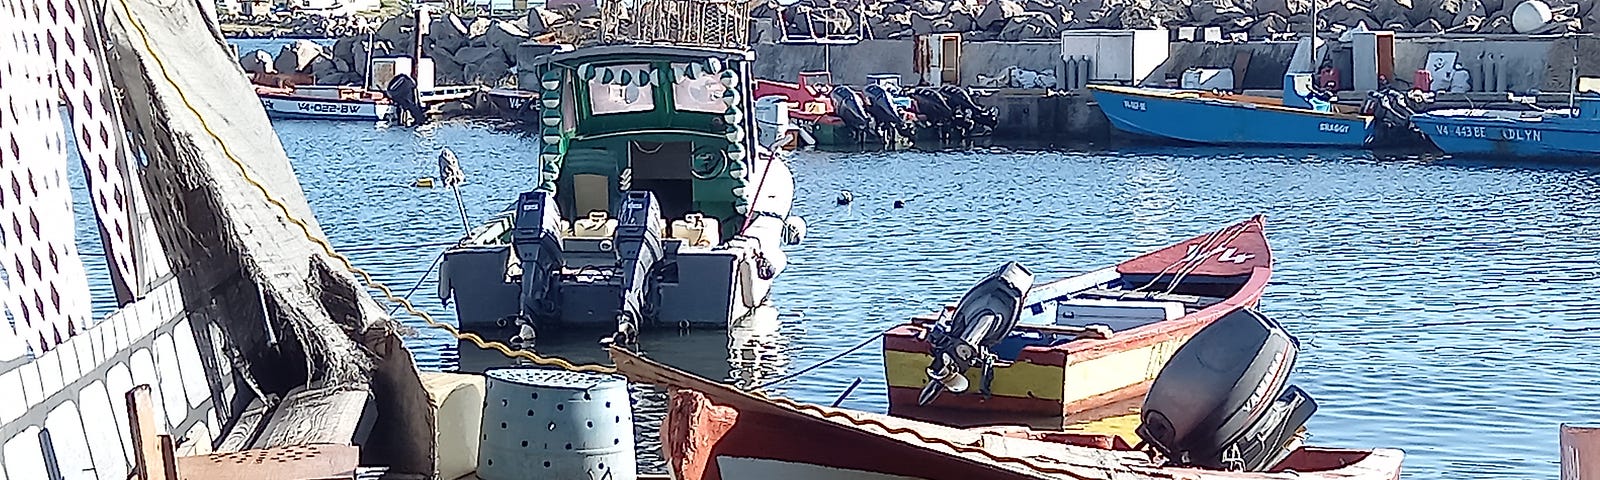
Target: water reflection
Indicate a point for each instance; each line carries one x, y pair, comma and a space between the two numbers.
749, 353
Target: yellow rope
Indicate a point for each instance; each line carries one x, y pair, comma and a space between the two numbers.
327, 248
497, 346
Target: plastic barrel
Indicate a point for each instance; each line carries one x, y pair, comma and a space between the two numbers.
545, 423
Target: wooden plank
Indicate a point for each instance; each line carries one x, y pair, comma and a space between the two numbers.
303, 462
317, 415
146, 442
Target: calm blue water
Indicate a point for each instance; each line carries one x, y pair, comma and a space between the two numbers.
1446, 308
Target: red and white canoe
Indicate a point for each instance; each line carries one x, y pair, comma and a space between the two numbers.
715, 432
1050, 371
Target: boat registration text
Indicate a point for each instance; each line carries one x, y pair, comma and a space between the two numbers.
1134, 105
1470, 131
1333, 127
311, 107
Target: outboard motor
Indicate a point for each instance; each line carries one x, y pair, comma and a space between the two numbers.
1223, 400
847, 105
883, 110
536, 239
638, 244
961, 100
987, 313
402, 90
929, 103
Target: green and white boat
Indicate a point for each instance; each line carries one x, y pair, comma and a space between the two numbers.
654, 203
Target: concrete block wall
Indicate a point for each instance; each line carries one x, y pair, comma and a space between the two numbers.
992, 58
849, 63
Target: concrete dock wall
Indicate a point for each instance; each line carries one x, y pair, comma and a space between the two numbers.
850, 63
991, 59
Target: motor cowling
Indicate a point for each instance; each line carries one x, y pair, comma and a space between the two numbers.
847, 105
985, 315
638, 247
1223, 400
536, 240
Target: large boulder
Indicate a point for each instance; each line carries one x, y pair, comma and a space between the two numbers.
1030, 26
1268, 24
296, 56
488, 72
1214, 12
478, 28
474, 55
997, 13
1055, 10
1285, 8
505, 36
447, 71
1390, 11
542, 20
323, 66
257, 61
448, 32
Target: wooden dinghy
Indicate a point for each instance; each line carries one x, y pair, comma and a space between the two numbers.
715, 432
1090, 341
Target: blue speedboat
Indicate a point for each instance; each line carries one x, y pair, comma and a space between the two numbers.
1228, 119
1557, 134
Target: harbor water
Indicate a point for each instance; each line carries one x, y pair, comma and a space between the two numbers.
1444, 307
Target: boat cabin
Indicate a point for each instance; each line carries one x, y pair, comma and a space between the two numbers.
671, 120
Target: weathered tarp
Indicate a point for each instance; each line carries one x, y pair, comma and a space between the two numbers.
238, 255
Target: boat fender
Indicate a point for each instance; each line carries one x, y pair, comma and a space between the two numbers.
764, 267
845, 197
747, 284
899, 204
794, 230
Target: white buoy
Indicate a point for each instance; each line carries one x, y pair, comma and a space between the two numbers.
1530, 16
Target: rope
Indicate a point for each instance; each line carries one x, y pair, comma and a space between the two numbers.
373, 248
750, 210
420, 279
327, 248
814, 366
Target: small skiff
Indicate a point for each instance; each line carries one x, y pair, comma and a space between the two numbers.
1090, 341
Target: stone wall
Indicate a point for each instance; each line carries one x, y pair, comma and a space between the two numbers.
850, 63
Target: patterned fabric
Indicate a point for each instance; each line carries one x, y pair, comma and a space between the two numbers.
79, 73
50, 57
46, 293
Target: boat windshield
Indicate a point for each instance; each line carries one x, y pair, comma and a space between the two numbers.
608, 95
700, 93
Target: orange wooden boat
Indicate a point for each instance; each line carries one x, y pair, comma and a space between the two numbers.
713, 432
1090, 341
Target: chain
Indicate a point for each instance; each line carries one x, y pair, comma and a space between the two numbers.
327, 248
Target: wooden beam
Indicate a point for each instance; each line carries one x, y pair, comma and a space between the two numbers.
147, 458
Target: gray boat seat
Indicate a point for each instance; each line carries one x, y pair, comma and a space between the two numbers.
1120, 315
697, 230
597, 225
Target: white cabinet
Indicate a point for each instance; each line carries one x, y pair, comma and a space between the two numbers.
1117, 56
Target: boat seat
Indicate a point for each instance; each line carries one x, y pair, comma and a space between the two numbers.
1120, 315
1192, 301
597, 225
697, 230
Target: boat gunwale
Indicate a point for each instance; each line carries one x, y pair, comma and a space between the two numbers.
1441, 120
1227, 103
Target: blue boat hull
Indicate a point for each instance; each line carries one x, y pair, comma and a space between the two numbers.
1226, 122
1506, 138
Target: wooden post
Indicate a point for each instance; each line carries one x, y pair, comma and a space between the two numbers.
148, 461
1580, 453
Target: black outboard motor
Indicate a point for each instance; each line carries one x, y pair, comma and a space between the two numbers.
985, 315
402, 90
883, 110
961, 100
929, 103
1223, 400
638, 243
536, 239
847, 104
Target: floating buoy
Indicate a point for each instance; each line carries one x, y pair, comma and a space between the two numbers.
899, 204
845, 197
424, 182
